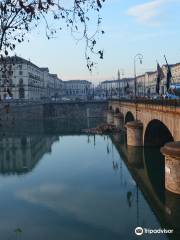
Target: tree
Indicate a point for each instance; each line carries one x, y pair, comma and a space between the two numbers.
19, 17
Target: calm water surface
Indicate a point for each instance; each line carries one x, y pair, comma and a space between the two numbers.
65, 185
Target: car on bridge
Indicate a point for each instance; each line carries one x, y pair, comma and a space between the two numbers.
65, 99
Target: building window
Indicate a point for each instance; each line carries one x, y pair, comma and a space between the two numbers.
21, 82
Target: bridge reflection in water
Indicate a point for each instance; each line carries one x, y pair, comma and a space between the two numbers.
147, 167
24, 145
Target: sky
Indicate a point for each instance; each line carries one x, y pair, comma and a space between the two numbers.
149, 27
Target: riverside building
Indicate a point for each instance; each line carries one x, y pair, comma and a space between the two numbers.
117, 88
77, 89
22, 79
146, 83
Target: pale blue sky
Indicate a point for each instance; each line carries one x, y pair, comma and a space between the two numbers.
131, 26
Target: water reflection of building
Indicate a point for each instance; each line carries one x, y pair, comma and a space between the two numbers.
22, 145
20, 154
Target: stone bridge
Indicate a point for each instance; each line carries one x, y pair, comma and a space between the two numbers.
152, 123
160, 123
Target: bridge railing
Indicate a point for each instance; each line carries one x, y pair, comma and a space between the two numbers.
163, 102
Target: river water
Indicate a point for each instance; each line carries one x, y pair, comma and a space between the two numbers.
57, 183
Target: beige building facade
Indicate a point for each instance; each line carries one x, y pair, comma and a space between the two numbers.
21, 79
146, 83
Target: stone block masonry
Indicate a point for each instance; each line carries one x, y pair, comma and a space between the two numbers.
10, 112
75, 110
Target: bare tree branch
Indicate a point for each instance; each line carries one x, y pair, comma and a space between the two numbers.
19, 17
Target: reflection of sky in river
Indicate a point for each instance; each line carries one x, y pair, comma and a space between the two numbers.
81, 190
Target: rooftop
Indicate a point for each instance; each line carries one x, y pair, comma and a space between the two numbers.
18, 60
78, 81
115, 81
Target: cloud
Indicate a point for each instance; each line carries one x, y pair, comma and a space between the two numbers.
147, 12
88, 205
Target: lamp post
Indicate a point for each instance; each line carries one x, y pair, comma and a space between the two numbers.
139, 57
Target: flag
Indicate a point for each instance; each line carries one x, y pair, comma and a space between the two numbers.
127, 87
160, 76
9, 92
169, 75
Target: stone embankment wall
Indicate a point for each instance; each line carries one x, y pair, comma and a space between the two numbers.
10, 112
75, 110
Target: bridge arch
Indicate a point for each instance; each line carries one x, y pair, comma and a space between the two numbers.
157, 134
129, 117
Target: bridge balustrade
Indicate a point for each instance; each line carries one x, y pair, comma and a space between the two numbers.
164, 102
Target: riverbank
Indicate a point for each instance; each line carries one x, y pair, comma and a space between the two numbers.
11, 112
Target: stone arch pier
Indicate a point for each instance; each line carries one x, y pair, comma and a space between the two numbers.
153, 124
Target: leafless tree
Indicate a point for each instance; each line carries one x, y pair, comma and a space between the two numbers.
19, 17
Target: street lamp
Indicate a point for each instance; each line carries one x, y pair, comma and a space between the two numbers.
139, 57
